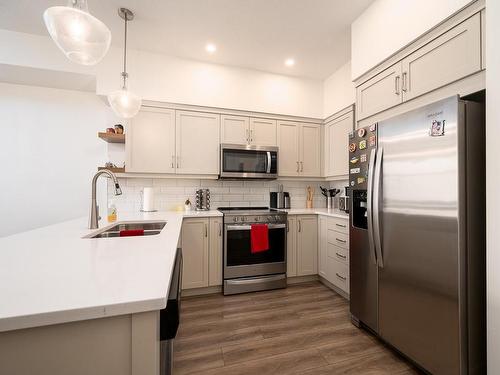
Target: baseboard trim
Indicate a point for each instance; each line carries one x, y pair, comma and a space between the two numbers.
333, 287
201, 291
301, 279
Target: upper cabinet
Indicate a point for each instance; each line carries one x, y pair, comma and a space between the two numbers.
197, 142
299, 149
336, 145
381, 92
162, 140
235, 129
150, 141
453, 55
243, 130
447, 58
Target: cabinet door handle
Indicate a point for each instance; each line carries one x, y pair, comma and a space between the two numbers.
220, 229
251, 135
178, 161
173, 157
206, 230
338, 239
340, 255
396, 85
302, 166
340, 277
340, 225
248, 137
405, 74
300, 226
298, 167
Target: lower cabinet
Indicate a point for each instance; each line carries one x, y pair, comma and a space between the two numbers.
215, 252
333, 260
202, 252
302, 245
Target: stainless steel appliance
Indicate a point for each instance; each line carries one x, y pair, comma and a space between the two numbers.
243, 270
202, 200
170, 318
417, 237
252, 162
279, 199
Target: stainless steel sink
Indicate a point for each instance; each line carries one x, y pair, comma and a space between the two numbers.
150, 228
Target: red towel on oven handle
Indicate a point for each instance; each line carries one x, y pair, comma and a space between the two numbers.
259, 238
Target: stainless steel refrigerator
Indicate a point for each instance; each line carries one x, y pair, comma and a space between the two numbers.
417, 234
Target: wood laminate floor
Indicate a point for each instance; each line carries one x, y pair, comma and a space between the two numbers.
304, 329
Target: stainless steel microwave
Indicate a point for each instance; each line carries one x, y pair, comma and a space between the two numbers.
241, 161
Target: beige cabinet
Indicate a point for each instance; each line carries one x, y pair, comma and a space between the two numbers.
215, 252
195, 245
291, 247
336, 145
310, 150
379, 93
448, 58
299, 149
197, 142
243, 130
150, 141
333, 260
307, 245
235, 129
288, 143
322, 246
451, 56
263, 132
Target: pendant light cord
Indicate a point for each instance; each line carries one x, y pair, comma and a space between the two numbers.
124, 74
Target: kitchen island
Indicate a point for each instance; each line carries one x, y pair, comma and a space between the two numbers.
78, 305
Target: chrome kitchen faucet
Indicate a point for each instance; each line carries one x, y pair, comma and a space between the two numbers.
94, 209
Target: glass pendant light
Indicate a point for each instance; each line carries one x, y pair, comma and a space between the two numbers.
82, 37
125, 103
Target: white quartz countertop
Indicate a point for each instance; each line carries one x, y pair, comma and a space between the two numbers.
52, 275
317, 211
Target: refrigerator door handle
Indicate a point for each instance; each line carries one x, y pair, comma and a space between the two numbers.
369, 203
377, 183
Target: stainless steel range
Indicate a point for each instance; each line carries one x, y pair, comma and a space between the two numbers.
245, 271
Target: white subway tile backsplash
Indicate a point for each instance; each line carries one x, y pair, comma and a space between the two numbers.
171, 193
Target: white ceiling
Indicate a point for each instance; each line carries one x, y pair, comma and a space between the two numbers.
256, 34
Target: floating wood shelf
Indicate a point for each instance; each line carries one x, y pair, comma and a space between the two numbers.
112, 137
114, 170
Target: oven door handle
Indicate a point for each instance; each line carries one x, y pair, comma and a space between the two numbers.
248, 227
268, 169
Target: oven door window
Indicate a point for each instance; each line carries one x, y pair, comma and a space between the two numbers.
238, 251
245, 161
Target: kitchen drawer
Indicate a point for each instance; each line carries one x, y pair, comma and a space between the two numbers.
338, 253
339, 274
338, 239
338, 224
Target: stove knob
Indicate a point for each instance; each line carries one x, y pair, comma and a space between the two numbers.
235, 219
256, 218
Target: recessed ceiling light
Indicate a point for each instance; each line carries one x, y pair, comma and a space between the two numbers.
211, 48
289, 62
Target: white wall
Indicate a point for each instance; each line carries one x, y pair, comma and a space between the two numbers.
388, 25
338, 91
493, 182
49, 151
171, 79
166, 78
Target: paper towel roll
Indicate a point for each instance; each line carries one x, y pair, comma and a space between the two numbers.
148, 197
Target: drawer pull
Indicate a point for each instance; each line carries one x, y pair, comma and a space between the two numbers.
339, 225
341, 256
338, 239
340, 277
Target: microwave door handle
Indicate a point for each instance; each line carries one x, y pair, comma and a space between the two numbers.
369, 204
268, 169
